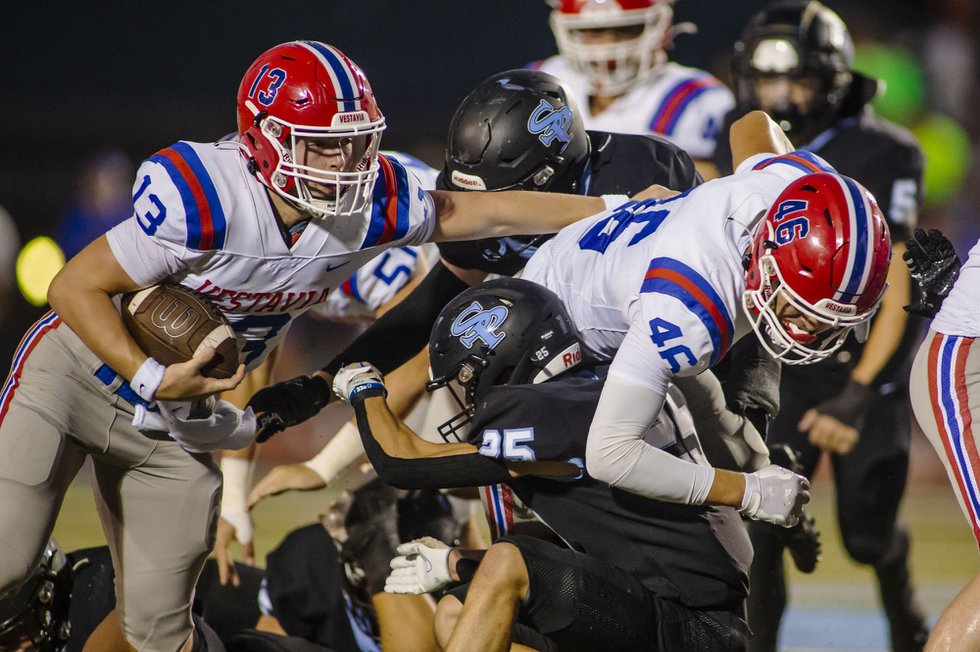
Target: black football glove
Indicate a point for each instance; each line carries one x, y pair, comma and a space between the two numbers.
934, 267
285, 404
850, 405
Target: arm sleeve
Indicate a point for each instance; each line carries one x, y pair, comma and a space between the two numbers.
468, 470
398, 335
729, 440
617, 454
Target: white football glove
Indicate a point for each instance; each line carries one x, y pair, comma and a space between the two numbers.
775, 495
421, 567
356, 377
223, 427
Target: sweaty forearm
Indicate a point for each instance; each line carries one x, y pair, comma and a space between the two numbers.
403, 331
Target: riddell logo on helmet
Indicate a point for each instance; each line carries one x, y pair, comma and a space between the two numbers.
468, 180
354, 117
572, 358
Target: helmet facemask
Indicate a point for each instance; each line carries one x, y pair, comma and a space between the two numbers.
292, 178
785, 341
612, 68
461, 385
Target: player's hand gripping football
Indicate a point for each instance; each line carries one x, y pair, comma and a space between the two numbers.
288, 403
422, 566
934, 266
184, 380
355, 378
775, 495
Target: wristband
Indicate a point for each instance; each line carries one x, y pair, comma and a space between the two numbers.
614, 201
236, 480
146, 381
367, 390
753, 493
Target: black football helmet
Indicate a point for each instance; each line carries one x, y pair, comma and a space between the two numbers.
35, 617
518, 130
506, 331
803, 41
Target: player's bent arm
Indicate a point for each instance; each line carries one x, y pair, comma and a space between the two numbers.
474, 215
616, 453
82, 294
756, 133
889, 327
405, 460
729, 440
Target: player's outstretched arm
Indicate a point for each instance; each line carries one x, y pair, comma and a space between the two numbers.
82, 294
474, 215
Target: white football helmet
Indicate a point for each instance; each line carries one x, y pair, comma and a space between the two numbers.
613, 66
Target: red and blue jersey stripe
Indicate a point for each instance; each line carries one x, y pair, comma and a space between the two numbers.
677, 99
673, 278
204, 216
390, 208
799, 159
31, 339
349, 287
954, 420
498, 501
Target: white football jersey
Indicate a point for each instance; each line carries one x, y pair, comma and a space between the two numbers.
656, 285
372, 286
375, 284
960, 312
685, 105
203, 221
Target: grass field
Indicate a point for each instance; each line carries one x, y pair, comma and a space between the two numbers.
833, 609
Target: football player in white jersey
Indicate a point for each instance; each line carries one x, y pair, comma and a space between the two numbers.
614, 56
661, 288
264, 227
945, 393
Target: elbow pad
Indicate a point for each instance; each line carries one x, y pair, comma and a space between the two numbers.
452, 471
403, 331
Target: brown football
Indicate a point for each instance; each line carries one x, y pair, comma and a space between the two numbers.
170, 323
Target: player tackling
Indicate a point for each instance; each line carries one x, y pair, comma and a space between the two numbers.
264, 226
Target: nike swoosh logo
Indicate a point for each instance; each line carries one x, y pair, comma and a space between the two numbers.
330, 267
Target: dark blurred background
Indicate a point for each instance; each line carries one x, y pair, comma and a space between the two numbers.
92, 89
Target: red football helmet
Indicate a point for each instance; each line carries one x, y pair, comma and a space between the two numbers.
612, 67
822, 248
310, 90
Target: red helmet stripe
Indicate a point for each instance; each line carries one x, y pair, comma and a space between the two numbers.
860, 232
342, 77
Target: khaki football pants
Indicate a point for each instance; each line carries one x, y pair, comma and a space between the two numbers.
158, 503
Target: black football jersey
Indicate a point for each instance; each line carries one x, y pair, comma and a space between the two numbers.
620, 164
696, 555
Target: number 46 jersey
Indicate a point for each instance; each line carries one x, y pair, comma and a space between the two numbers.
660, 281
